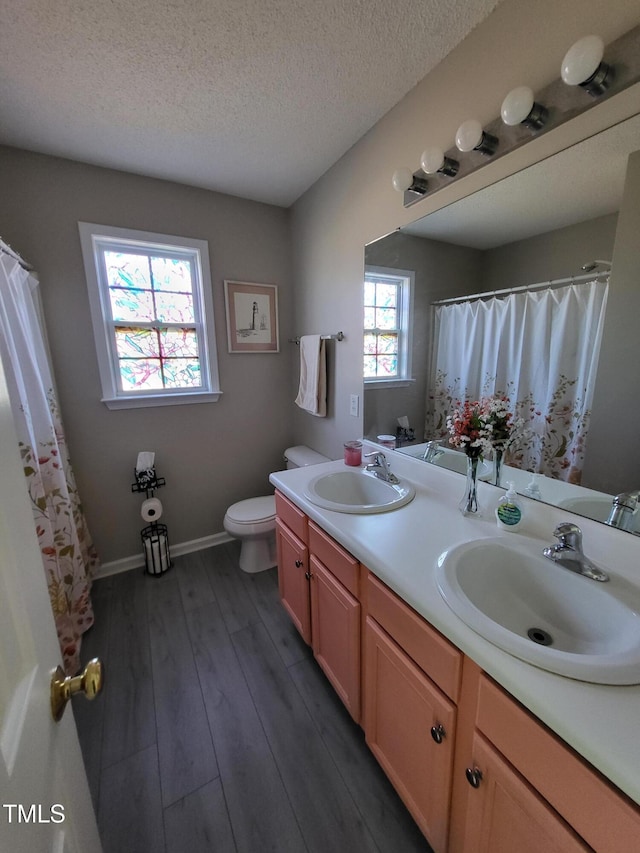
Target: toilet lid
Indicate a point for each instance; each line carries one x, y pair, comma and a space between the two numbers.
253, 510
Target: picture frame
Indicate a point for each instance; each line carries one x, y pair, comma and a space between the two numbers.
252, 317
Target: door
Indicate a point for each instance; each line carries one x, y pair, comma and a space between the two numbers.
45, 803
293, 579
335, 632
409, 727
504, 813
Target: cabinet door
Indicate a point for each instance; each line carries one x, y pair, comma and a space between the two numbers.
335, 620
402, 708
293, 581
504, 813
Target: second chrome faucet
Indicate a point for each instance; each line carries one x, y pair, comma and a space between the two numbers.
567, 552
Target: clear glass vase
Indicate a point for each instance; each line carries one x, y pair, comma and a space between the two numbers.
498, 457
469, 503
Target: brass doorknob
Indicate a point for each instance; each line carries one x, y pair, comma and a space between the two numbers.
90, 682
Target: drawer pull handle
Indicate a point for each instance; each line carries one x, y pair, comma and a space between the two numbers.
438, 733
298, 563
474, 776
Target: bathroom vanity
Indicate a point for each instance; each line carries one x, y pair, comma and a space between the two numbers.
488, 752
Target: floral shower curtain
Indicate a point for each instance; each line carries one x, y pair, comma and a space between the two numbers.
540, 349
67, 552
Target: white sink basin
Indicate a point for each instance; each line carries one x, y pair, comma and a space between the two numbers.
595, 507
357, 491
541, 612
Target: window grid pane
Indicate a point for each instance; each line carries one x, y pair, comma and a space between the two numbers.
158, 347
381, 326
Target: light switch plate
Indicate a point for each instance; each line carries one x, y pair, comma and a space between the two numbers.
354, 405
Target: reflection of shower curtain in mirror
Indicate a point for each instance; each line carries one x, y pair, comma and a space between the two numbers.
538, 348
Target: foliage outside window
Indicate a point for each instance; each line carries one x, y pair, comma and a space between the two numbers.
152, 314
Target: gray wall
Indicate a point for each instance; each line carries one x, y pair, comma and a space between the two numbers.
210, 454
354, 203
556, 254
441, 270
616, 407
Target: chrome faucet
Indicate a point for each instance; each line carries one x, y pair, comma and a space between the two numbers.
568, 552
380, 467
432, 451
623, 509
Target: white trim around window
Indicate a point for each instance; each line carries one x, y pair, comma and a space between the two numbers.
405, 281
96, 240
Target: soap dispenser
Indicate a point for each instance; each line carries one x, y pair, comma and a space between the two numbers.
532, 488
509, 510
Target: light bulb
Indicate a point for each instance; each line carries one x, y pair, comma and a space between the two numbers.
432, 160
471, 137
583, 66
468, 135
402, 179
582, 59
519, 107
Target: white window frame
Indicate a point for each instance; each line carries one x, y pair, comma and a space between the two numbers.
94, 240
405, 279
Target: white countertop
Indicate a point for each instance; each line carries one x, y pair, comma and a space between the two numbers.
401, 547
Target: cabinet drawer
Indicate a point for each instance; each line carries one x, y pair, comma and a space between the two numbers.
293, 517
339, 562
602, 815
436, 656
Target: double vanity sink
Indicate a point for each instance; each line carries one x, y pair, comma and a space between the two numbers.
542, 612
508, 592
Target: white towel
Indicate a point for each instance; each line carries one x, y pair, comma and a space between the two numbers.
312, 394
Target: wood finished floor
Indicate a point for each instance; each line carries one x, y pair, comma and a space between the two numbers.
217, 731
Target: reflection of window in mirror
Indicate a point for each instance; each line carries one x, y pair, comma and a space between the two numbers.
388, 297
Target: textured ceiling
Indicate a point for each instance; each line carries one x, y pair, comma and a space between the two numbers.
257, 98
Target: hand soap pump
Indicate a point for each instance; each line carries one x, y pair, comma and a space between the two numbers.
509, 510
532, 489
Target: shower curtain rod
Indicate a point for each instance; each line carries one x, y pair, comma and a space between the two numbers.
541, 285
6, 248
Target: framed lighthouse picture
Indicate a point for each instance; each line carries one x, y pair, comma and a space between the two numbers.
252, 316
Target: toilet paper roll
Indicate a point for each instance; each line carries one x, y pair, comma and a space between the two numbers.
151, 509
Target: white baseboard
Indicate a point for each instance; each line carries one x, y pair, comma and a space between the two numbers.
137, 560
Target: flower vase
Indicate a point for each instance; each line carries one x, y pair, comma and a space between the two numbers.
498, 455
469, 503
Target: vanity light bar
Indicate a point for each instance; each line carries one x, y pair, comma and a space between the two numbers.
585, 81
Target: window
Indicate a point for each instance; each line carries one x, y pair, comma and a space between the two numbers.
152, 314
387, 324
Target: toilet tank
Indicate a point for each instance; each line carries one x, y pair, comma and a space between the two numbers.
300, 456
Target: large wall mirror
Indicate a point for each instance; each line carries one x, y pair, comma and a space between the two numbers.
545, 223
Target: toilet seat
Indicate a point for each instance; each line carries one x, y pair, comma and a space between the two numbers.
253, 511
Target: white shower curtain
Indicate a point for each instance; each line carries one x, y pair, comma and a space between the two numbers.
538, 348
67, 552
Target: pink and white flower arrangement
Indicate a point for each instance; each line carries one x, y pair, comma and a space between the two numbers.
477, 427
468, 430
499, 423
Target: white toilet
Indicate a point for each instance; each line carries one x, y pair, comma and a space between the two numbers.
253, 521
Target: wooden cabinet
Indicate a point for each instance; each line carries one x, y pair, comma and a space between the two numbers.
335, 634
527, 790
319, 586
293, 578
410, 722
506, 814
478, 772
